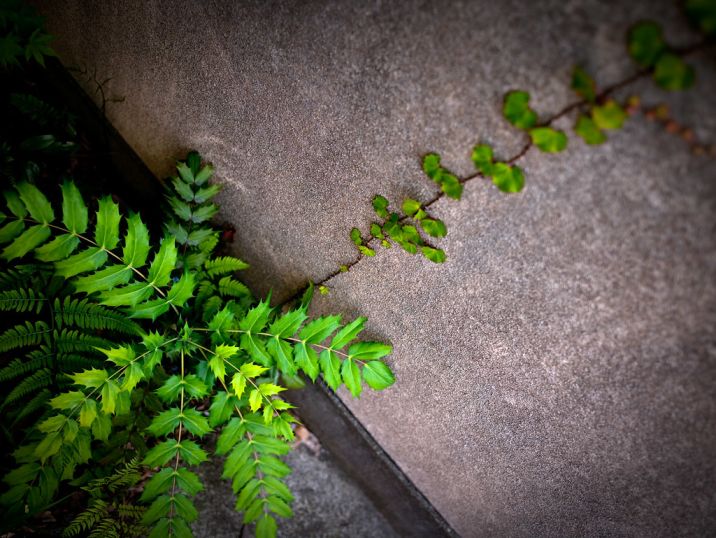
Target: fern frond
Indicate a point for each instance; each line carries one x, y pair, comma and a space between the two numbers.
37, 110
73, 341
22, 300
29, 334
107, 528
86, 315
96, 510
233, 288
38, 402
37, 381
224, 265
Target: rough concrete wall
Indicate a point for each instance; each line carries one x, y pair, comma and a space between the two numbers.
556, 376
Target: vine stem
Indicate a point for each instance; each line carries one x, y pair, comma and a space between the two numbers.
606, 92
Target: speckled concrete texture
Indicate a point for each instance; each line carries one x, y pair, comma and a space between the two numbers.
327, 503
557, 376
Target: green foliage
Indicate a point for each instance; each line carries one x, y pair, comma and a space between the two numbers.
100, 377
449, 183
703, 15
548, 140
21, 35
588, 130
517, 111
649, 49
583, 85
507, 178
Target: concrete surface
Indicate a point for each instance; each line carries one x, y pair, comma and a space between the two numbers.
557, 377
327, 504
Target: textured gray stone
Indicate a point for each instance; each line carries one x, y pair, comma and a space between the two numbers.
557, 377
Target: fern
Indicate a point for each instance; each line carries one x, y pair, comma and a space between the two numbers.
210, 340
22, 300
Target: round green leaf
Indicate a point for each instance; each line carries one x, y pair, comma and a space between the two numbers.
609, 116
646, 43
517, 111
548, 139
672, 73
508, 178
590, 133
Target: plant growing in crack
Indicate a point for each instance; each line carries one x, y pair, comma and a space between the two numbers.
597, 112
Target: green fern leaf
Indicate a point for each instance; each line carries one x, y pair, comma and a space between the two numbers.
36, 203
22, 300
74, 210
57, 249
29, 334
39, 380
106, 231
85, 315
104, 280
136, 242
89, 259
233, 288
224, 266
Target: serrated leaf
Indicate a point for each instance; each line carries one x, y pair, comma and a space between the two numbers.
319, 329
129, 295
160, 483
11, 230
192, 453
348, 333
107, 228
256, 318
28, 240
103, 280
110, 391
369, 350
231, 434
57, 249
195, 422
351, 377
377, 375
89, 259
74, 210
102, 427
548, 140
517, 111
163, 263
136, 242
288, 324
88, 413
92, 378
255, 400
181, 290
67, 400
36, 203
331, 368
282, 352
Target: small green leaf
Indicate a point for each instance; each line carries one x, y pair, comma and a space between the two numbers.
548, 140
431, 166
482, 156
107, 228
366, 251
673, 74
28, 240
163, 263
88, 413
517, 111
67, 400
331, 368
252, 370
646, 43
356, 237
351, 377
165, 422
57, 249
255, 400
609, 116
266, 527
348, 333
136, 242
238, 383
583, 84
369, 350
377, 375
588, 130
306, 359
703, 14
74, 210
410, 206
92, 378
435, 255
375, 231
380, 205
451, 186
36, 203
434, 227
508, 178
319, 329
